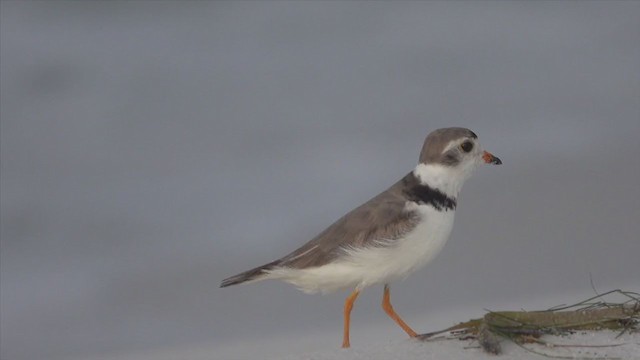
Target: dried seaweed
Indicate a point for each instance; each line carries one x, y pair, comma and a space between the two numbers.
526, 327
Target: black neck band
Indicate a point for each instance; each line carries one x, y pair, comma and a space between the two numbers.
424, 194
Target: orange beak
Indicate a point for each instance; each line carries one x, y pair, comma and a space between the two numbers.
490, 159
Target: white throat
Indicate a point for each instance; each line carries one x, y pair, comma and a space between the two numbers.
448, 180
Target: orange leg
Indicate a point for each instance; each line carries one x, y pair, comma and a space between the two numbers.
348, 305
386, 305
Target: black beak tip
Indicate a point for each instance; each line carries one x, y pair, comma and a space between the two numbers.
497, 161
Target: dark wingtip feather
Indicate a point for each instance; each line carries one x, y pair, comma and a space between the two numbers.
237, 279
247, 275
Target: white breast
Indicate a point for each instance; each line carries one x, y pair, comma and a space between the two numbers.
394, 259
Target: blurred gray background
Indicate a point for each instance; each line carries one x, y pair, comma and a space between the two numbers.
150, 149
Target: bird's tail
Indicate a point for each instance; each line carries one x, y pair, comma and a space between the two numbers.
249, 275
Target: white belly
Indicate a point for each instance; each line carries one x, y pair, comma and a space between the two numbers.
377, 264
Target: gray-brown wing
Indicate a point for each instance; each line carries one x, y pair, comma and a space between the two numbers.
383, 217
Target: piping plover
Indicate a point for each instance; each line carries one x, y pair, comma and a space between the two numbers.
388, 237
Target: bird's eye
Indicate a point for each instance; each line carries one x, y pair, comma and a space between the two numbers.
466, 146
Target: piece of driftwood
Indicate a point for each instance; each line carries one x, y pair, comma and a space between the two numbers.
528, 326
